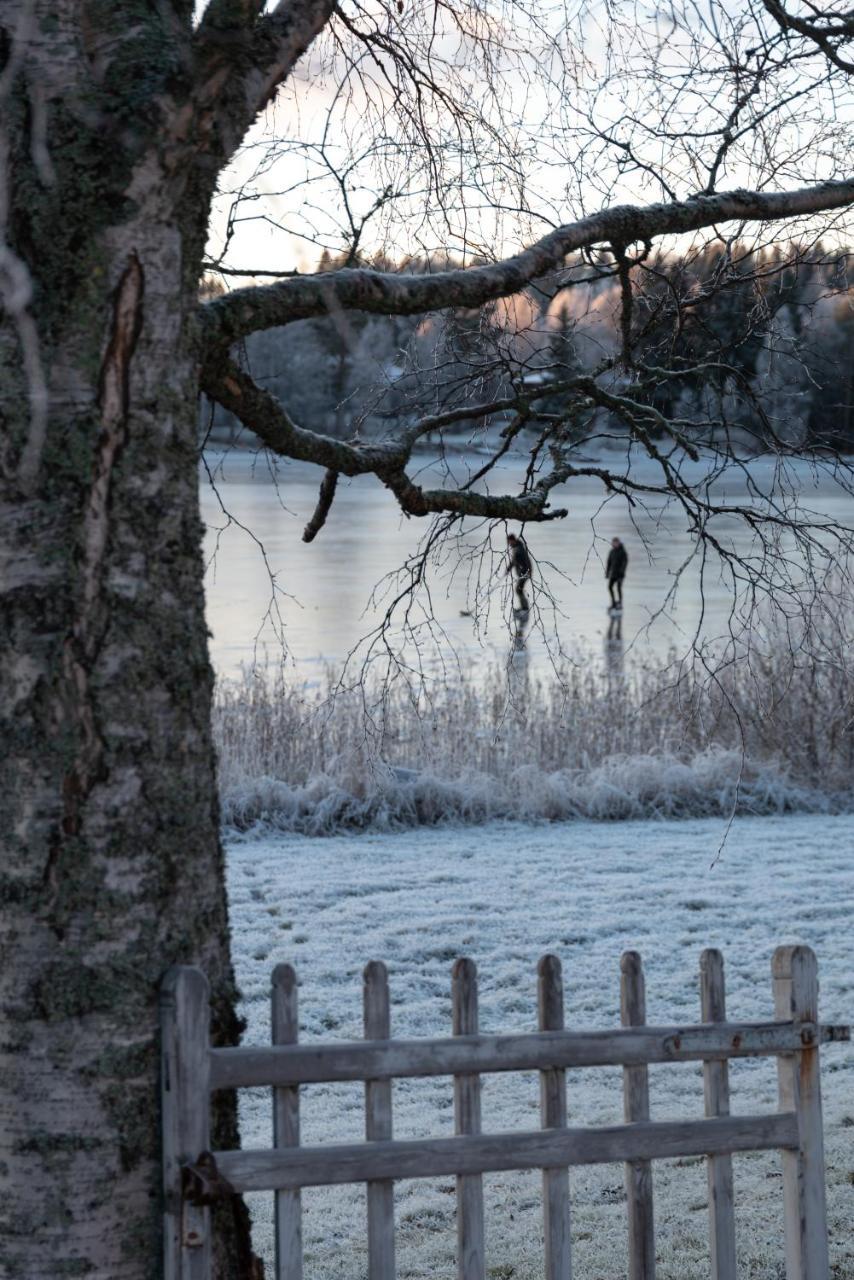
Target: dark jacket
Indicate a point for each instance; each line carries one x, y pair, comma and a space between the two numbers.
520, 559
615, 565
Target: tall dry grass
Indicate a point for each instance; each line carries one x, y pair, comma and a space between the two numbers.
770, 732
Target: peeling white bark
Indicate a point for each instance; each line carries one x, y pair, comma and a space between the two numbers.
108, 828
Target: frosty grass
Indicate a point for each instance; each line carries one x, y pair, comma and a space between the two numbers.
504, 894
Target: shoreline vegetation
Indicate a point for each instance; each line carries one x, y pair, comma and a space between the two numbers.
770, 733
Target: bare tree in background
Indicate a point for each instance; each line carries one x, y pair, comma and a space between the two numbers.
718, 97
115, 124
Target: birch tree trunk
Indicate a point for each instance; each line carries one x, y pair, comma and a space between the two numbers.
115, 118
111, 867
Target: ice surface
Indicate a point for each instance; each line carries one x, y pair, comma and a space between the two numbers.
504, 894
329, 604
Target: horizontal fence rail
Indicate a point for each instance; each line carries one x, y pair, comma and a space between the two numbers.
537, 1051
194, 1177
536, 1149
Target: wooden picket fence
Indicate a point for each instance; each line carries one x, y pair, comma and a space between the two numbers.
194, 1177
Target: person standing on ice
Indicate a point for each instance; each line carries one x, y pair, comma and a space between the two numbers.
615, 571
519, 563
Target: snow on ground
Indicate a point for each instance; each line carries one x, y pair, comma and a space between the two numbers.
504, 894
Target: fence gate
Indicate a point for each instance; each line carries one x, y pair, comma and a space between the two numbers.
194, 1176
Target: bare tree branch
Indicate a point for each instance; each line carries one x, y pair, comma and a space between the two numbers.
246, 311
240, 57
235, 391
232, 387
328, 485
823, 34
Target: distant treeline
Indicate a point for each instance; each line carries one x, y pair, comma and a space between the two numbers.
763, 345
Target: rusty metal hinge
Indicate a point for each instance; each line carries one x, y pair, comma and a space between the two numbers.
202, 1183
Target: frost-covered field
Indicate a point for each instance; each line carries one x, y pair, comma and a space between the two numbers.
504, 894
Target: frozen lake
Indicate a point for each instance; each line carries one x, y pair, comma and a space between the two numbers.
504, 894
323, 607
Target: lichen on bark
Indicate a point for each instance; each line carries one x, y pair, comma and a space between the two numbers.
111, 866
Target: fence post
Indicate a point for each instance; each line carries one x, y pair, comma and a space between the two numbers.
795, 974
716, 1093
470, 1241
285, 1028
636, 1107
378, 1127
185, 1117
553, 1116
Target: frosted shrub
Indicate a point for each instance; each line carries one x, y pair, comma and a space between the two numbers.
770, 733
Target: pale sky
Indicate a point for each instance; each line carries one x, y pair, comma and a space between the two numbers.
572, 121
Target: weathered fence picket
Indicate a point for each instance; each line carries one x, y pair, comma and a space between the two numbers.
471, 1259
378, 1124
553, 1116
636, 1109
285, 1027
716, 1094
185, 1118
194, 1177
796, 997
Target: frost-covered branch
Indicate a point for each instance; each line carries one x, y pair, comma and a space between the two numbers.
236, 315
262, 413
